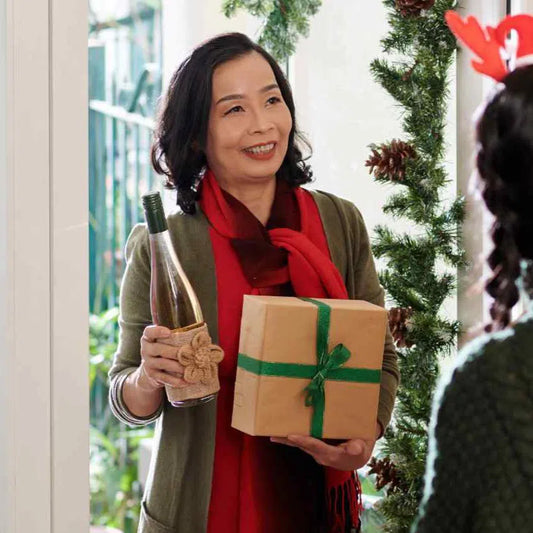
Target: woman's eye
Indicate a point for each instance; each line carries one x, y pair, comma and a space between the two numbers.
274, 100
233, 110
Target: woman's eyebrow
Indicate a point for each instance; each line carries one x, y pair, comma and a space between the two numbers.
240, 96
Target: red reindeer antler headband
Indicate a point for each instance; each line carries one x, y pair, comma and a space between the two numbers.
490, 44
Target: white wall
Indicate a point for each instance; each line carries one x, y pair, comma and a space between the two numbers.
339, 106
186, 24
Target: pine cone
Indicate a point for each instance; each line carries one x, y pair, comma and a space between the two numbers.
413, 8
398, 320
391, 162
386, 473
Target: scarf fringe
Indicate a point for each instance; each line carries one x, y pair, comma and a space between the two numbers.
344, 505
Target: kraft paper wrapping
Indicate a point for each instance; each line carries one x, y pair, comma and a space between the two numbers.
200, 358
278, 329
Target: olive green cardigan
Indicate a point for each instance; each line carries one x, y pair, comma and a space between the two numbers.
179, 480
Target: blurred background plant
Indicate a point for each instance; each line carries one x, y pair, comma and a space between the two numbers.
124, 41
114, 447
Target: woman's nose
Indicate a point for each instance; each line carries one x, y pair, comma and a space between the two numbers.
260, 122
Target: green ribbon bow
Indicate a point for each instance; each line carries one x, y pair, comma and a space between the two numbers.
316, 394
329, 366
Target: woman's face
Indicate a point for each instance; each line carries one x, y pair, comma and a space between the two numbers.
249, 122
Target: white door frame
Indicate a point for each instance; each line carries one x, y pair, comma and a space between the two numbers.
44, 400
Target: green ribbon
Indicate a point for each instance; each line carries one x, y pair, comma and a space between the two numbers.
329, 366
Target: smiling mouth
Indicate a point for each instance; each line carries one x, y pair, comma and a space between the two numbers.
262, 149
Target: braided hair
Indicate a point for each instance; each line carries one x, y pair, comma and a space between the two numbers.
505, 167
178, 148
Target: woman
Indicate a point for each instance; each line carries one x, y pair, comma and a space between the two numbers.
227, 143
480, 466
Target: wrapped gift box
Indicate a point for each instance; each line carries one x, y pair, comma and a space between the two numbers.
309, 366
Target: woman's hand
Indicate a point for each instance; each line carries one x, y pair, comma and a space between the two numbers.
159, 366
349, 455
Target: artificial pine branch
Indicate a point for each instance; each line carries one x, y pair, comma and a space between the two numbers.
284, 21
423, 50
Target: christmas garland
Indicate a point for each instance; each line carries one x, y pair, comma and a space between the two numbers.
419, 83
284, 22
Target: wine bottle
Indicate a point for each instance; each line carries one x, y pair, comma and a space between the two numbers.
173, 302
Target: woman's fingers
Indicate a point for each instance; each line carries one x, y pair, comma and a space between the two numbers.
353, 447
152, 333
166, 365
283, 440
168, 379
323, 453
157, 378
316, 446
158, 349
160, 362
151, 348
349, 455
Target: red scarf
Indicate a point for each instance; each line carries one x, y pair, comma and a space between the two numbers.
278, 488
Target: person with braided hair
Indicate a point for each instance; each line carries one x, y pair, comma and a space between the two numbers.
479, 474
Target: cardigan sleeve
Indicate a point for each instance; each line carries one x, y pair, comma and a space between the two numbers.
365, 285
134, 316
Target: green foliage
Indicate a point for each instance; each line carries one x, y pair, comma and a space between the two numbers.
115, 491
372, 520
284, 21
422, 49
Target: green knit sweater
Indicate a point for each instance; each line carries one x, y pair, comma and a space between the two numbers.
480, 466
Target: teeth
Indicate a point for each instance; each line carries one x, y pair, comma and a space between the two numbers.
260, 149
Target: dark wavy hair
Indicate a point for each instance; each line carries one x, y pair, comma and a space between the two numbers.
505, 166
178, 148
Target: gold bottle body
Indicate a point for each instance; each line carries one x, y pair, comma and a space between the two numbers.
173, 302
